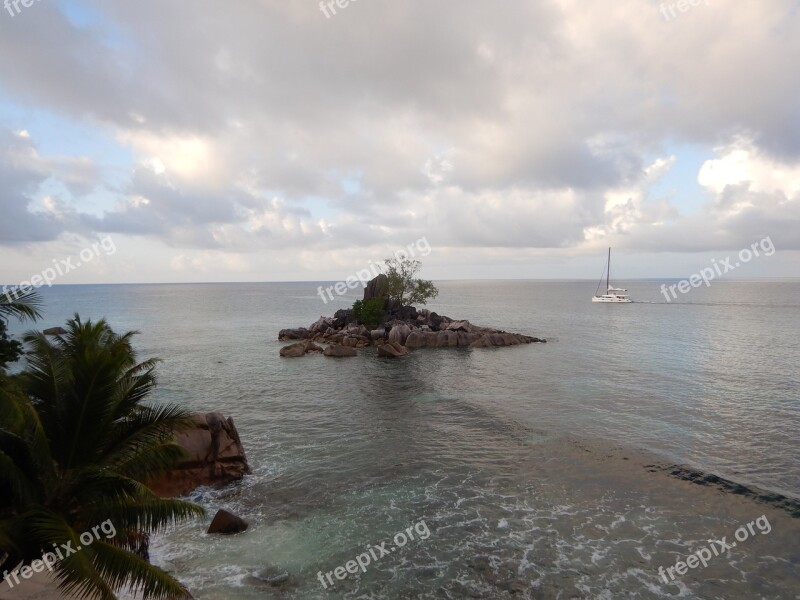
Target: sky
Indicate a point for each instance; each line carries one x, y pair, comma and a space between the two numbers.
288, 140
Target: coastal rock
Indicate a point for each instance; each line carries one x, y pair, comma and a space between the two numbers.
213, 456
300, 349
459, 326
294, 351
226, 523
323, 324
374, 287
403, 326
416, 339
482, 342
392, 350
399, 334
337, 351
300, 333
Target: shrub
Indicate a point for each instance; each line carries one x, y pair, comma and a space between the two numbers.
370, 313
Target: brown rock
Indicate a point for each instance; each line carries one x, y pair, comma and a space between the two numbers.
482, 342
392, 350
213, 456
459, 326
337, 351
399, 334
294, 350
226, 523
415, 339
301, 333
374, 288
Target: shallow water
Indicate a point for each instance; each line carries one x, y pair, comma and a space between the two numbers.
527, 464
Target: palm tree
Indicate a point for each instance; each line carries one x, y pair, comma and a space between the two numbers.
20, 304
76, 444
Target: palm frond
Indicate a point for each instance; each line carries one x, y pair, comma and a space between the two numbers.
123, 569
21, 305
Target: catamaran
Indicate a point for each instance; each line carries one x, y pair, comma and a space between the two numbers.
612, 294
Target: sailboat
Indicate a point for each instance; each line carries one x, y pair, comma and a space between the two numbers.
617, 295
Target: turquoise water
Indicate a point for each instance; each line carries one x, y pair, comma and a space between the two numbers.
526, 463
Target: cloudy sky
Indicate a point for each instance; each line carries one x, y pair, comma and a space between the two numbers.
259, 140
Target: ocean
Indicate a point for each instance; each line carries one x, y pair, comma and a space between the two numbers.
555, 470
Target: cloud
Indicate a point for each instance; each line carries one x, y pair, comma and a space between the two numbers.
264, 125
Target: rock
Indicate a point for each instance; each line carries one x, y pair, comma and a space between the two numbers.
226, 523
374, 287
415, 339
392, 350
301, 333
342, 318
399, 333
398, 312
54, 331
350, 342
301, 349
377, 334
294, 350
482, 342
337, 351
214, 456
323, 324
459, 326
442, 339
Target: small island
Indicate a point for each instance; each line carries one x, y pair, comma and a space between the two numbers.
387, 319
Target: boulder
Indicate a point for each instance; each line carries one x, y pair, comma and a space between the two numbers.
338, 351
374, 287
459, 326
349, 342
392, 350
482, 342
399, 334
301, 333
300, 349
322, 325
213, 456
415, 339
377, 334
226, 523
294, 350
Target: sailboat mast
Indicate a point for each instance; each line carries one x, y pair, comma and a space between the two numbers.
608, 271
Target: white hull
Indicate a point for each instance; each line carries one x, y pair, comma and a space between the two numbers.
612, 299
